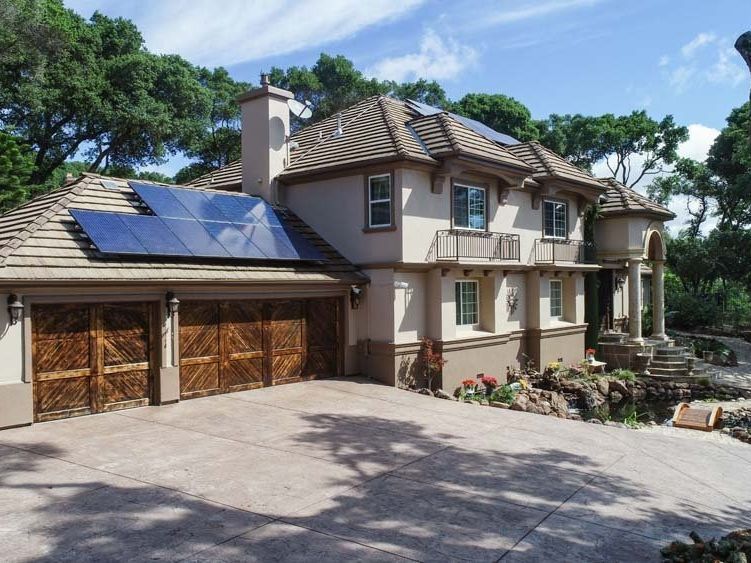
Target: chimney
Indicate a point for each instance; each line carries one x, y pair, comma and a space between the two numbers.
265, 135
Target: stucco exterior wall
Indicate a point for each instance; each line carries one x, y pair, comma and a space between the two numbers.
335, 208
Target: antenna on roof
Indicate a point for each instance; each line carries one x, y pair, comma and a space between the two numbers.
339, 131
298, 109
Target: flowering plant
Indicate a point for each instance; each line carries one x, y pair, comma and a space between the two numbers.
489, 381
469, 383
433, 361
590, 352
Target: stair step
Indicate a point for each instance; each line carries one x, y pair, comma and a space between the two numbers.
671, 351
668, 364
667, 371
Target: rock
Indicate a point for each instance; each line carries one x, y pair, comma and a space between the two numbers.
521, 403
559, 403
499, 405
425, 391
471, 401
592, 399
595, 421
544, 407
618, 387
441, 394
603, 386
615, 397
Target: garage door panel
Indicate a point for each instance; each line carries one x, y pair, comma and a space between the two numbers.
62, 355
243, 326
199, 333
56, 322
322, 320
285, 323
244, 373
125, 386
287, 366
62, 394
321, 363
199, 378
119, 350
125, 320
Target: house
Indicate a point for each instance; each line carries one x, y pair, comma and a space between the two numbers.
330, 251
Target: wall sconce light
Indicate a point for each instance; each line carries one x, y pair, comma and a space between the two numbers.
355, 294
173, 303
15, 308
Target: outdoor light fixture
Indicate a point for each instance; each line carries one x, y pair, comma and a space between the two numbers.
355, 294
173, 303
15, 308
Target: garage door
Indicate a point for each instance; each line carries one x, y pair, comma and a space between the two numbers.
238, 345
91, 358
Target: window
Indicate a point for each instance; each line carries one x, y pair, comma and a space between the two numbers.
469, 207
554, 219
556, 298
467, 306
379, 201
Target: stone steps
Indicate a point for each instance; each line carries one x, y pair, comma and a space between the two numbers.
670, 351
669, 364
679, 371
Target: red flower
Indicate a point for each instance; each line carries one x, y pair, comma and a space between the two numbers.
489, 381
469, 383
590, 352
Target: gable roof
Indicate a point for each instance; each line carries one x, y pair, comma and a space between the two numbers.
40, 241
548, 164
376, 129
622, 200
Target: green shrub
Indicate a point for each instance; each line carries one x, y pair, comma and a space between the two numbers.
623, 374
503, 394
690, 312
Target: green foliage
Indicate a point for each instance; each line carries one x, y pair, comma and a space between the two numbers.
430, 93
503, 394
499, 112
16, 166
694, 262
690, 312
577, 137
646, 320
623, 374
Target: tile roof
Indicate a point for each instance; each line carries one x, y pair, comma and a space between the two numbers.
376, 129
622, 200
40, 241
548, 164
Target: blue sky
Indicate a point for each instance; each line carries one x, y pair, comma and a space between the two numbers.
555, 56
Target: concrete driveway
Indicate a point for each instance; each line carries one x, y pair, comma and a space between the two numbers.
349, 469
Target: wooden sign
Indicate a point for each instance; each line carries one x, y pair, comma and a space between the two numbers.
686, 416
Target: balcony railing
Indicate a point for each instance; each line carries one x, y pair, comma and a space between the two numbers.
458, 244
553, 251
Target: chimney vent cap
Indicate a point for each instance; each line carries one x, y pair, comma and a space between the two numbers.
265, 79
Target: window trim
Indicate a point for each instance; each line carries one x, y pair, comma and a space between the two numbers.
459, 312
369, 227
559, 283
464, 184
565, 226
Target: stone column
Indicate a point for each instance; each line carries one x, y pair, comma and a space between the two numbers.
658, 300
634, 301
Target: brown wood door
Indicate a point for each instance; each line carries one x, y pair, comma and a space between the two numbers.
91, 358
238, 345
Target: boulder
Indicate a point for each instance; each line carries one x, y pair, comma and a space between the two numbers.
441, 394
603, 386
544, 407
559, 403
595, 421
425, 391
618, 386
521, 403
499, 405
615, 397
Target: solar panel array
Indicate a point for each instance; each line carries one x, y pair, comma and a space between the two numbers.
194, 223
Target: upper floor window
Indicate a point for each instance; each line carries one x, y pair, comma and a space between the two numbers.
556, 299
379, 201
467, 303
555, 224
469, 207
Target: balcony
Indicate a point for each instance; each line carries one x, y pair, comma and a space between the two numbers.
458, 244
555, 251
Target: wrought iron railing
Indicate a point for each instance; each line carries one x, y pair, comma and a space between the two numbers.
458, 244
552, 251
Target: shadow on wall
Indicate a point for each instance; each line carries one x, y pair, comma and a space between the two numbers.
450, 502
410, 373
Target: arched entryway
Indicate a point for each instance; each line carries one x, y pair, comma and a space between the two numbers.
654, 250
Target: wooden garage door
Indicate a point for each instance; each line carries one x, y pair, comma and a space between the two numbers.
91, 358
237, 345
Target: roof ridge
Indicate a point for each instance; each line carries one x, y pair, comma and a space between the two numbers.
375, 99
446, 124
210, 174
58, 205
542, 155
401, 149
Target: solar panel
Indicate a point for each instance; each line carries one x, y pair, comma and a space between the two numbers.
269, 242
154, 235
161, 201
305, 250
476, 126
232, 208
195, 238
108, 232
198, 204
233, 240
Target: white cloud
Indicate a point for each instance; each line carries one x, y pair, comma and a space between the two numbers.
664, 61
529, 10
725, 69
437, 59
701, 40
680, 77
700, 139
224, 33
